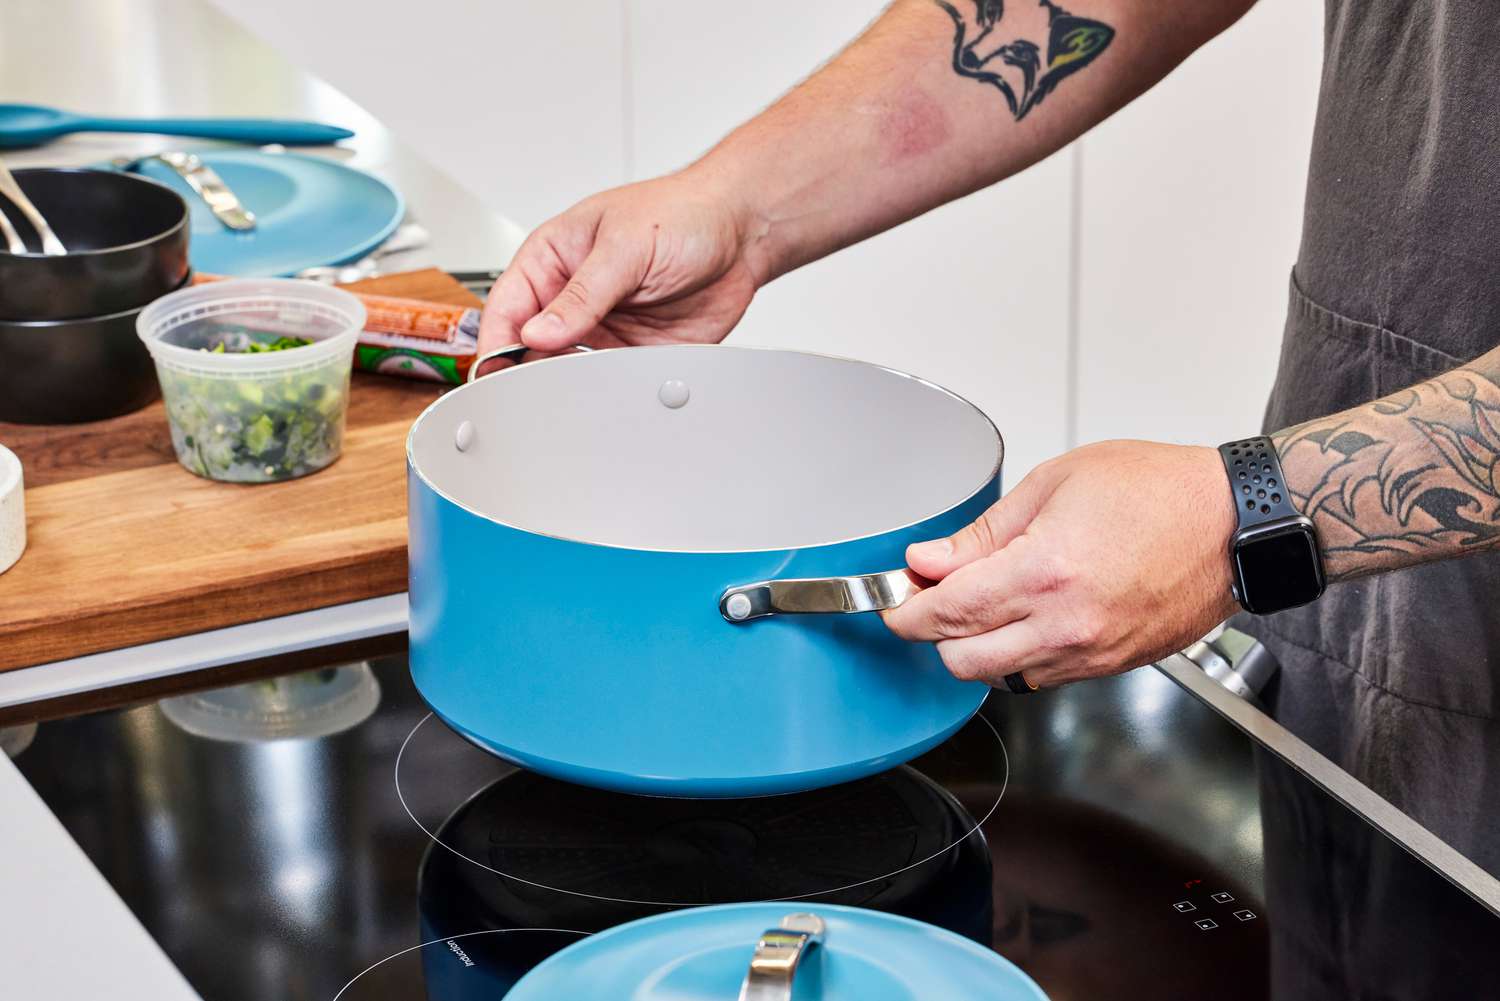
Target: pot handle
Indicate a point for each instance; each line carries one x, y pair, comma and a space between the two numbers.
871, 592
517, 352
777, 955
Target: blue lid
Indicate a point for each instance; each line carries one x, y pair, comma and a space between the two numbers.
704, 953
309, 211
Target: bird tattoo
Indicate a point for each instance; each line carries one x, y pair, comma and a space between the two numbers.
1072, 43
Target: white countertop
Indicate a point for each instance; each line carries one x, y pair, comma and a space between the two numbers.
64, 933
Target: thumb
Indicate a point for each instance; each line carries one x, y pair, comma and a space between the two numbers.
992, 531
598, 285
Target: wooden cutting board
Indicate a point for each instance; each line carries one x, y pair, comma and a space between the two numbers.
124, 546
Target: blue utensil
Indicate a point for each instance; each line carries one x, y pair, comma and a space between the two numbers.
34, 124
309, 211
582, 530
705, 952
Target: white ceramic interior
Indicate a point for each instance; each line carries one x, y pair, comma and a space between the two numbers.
12, 510
771, 450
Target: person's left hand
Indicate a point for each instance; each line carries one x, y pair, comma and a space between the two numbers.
1106, 558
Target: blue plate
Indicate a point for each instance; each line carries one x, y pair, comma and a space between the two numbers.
309, 211
705, 952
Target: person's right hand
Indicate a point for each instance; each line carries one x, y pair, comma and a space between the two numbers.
657, 262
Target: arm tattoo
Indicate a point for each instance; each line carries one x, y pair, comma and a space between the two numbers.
1015, 68
1409, 478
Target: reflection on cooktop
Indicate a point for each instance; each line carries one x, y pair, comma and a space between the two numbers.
527, 863
894, 842
556, 839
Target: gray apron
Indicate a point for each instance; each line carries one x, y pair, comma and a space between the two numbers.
1397, 677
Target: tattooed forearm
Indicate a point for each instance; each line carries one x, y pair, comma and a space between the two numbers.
1015, 67
1406, 479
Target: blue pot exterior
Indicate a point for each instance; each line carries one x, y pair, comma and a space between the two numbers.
613, 667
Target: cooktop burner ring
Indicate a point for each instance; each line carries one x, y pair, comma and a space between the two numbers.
444, 941
978, 823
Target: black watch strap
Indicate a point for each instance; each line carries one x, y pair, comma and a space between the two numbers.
1260, 493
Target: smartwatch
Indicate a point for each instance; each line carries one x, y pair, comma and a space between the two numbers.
1274, 552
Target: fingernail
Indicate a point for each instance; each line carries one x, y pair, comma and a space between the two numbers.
543, 324
936, 549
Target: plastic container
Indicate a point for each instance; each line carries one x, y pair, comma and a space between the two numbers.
254, 416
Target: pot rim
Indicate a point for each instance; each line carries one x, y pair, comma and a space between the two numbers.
414, 469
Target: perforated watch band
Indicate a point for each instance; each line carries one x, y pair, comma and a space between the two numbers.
1260, 493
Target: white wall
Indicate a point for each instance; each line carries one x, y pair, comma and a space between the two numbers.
1191, 210
939, 297
521, 101
1191, 198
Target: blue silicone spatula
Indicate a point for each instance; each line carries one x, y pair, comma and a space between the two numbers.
34, 124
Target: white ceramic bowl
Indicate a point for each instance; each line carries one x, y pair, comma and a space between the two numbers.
12, 510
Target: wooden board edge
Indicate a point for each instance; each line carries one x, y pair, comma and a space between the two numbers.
380, 575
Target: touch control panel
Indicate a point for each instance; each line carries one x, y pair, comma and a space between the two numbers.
1209, 909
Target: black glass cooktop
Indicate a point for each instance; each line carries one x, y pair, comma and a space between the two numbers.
320, 836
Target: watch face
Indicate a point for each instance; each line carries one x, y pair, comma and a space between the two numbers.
1279, 567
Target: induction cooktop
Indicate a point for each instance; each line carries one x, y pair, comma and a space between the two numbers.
321, 835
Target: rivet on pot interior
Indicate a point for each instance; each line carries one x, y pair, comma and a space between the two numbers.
737, 607
464, 436
673, 393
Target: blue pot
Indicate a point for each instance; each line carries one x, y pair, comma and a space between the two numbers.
618, 560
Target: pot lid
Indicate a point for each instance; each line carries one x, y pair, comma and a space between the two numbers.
846, 954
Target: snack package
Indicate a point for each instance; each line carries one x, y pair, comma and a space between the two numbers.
412, 338
390, 345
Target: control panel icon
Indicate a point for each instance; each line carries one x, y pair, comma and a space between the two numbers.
1183, 906
1245, 915
1222, 898
1206, 924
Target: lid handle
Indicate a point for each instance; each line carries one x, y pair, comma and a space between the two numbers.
777, 956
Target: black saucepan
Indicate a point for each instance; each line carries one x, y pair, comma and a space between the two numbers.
127, 240
70, 371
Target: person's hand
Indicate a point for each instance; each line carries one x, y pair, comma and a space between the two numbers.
652, 263
1106, 558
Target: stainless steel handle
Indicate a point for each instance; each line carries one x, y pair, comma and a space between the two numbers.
779, 952
13, 241
9, 187
871, 592
517, 352
1237, 661
203, 179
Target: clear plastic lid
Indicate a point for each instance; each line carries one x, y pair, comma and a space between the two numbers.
215, 328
